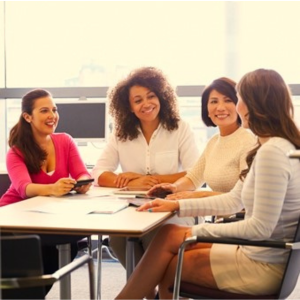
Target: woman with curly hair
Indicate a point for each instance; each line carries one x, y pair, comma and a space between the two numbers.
151, 144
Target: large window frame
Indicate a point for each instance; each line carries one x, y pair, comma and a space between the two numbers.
231, 50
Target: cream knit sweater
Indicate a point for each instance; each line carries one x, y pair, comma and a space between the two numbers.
222, 160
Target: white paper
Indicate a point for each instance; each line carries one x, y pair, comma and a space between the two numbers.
89, 205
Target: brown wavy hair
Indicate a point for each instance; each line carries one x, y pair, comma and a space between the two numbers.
21, 136
270, 108
126, 123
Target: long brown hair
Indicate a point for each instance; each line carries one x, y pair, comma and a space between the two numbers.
125, 122
270, 108
21, 137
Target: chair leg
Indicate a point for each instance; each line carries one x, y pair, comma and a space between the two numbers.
190, 240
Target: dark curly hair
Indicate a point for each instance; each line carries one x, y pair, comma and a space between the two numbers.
224, 86
270, 108
125, 122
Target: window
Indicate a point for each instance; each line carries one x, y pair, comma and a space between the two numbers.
95, 43
267, 37
82, 47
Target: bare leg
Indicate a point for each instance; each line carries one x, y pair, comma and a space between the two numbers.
154, 263
196, 269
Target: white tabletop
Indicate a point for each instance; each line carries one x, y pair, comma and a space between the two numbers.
18, 217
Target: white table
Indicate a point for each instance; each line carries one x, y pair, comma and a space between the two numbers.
128, 222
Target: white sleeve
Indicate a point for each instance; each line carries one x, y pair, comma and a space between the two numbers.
109, 159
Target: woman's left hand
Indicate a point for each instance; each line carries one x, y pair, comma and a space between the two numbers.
84, 188
159, 205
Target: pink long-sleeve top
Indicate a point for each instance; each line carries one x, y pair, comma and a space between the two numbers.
68, 164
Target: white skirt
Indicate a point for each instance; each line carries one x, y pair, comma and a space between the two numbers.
237, 273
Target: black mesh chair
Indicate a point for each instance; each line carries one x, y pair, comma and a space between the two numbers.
21, 275
288, 283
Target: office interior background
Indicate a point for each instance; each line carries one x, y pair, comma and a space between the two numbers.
78, 49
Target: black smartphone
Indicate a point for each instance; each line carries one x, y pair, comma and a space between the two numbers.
83, 182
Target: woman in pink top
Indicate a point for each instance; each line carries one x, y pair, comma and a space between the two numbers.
43, 163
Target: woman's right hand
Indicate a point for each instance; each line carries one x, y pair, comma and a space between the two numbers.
182, 195
62, 186
162, 188
159, 205
123, 179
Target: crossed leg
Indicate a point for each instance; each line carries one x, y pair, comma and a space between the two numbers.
158, 264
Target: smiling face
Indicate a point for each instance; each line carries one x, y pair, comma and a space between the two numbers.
144, 104
44, 117
222, 112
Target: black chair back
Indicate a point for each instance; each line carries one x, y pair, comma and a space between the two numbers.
21, 257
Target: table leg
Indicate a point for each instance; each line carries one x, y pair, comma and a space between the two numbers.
130, 262
64, 252
99, 268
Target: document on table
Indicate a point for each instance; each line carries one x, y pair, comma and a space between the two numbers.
91, 205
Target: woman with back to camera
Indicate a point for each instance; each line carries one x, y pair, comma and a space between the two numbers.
43, 163
267, 189
150, 143
224, 156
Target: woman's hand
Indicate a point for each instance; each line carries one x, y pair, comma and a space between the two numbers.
182, 195
83, 188
159, 205
123, 179
146, 181
62, 186
164, 188
192, 194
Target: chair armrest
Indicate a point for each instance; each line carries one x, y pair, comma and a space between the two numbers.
72, 266
230, 241
234, 241
34, 281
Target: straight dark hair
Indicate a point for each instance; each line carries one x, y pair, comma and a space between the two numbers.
224, 86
